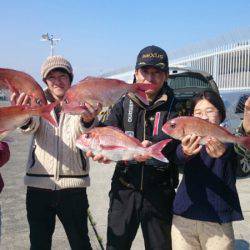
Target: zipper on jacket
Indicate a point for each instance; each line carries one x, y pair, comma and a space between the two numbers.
144, 136
57, 177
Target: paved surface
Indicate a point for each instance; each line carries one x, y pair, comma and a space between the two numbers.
15, 232
15, 229
101, 175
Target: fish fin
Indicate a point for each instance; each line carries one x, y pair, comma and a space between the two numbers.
140, 88
244, 141
155, 150
112, 147
45, 113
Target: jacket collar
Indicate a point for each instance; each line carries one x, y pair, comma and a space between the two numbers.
165, 94
48, 95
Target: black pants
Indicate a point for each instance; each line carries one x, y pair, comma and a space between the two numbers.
70, 205
129, 208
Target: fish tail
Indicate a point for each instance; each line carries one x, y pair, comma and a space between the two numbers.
244, 141
155, 150
140, 88
45, 113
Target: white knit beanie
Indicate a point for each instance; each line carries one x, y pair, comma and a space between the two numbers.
53, 62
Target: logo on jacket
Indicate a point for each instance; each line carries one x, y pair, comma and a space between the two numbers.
130, 111
130, 133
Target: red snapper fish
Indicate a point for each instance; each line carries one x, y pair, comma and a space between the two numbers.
13, 117
18, 82
116, 145
95, 90
187, 125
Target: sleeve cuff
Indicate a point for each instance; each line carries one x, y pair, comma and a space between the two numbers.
181, 156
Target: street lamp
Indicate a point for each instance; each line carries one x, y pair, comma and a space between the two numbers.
52, 40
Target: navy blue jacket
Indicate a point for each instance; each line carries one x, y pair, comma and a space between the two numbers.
207, 191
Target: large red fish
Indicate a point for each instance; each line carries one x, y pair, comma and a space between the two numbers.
14, 116
95, 90
187, 125
116, 145
18, 82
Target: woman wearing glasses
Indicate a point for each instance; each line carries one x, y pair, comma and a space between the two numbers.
207, 201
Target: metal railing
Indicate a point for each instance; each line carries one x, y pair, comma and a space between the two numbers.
229, 64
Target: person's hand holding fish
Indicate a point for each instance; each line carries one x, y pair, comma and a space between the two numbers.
215, 148
102, 159
22, 99
99, 157
110, 143
246, 120
191, 144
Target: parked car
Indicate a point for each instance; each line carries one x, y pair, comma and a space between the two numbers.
186, 83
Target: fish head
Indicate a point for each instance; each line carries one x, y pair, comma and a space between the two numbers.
69, 103
88, 141
73, 108
174, 128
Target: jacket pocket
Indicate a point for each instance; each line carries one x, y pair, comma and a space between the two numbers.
83, 160
33, 157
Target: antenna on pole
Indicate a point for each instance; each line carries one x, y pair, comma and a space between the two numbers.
53, 41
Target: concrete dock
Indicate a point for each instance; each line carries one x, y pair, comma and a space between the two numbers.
14, 228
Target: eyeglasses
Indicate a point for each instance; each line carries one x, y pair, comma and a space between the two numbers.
208, 113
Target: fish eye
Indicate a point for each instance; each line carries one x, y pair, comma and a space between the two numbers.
66, 101
87, 135
172, 125
38, 101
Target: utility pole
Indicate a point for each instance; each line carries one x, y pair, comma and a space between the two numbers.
53, 41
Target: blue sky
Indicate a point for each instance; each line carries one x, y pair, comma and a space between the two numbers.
100, 36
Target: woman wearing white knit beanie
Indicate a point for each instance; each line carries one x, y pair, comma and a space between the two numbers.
57, 172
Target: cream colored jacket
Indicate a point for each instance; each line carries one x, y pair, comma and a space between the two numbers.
54, 161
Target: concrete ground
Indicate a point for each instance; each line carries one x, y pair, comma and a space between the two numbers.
14, 228
15, 232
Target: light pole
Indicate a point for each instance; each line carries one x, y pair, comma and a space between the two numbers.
52, 40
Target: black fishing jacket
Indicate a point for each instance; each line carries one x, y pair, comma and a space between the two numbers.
145, 123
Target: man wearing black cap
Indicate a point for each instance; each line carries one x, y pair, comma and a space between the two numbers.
142, 191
